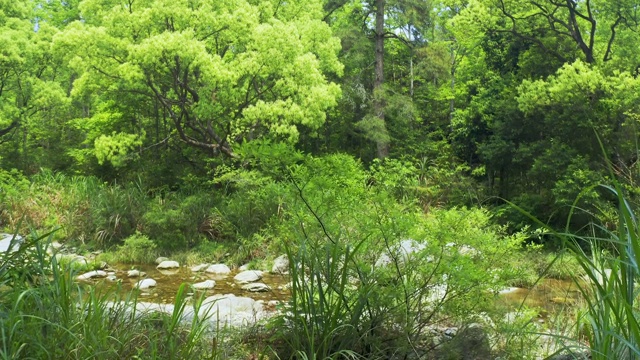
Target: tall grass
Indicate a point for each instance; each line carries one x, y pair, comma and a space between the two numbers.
45, 314
610, 289
326, 312
609, 259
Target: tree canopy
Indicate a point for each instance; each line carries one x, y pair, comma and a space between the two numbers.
514, 97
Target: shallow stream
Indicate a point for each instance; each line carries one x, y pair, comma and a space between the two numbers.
550, 295
169, 281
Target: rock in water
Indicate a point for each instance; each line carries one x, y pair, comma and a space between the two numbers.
145, 284
135, 273
248, 276
219, 269
256, 287
205, 285
199, 268
92, 274
161, 259
280, 265
168, 264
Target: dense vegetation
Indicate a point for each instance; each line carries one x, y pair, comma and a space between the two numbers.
329, 130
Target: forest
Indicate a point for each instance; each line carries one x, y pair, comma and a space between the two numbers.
413, 161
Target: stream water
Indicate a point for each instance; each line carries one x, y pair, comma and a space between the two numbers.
549, 295
169, 281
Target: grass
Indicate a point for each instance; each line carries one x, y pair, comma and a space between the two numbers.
608, 260
611, 268
44, 313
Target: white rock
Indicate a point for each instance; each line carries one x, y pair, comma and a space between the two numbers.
256, 287
111, 278
244, 267
464, 250
134, 273
401, 252
205, 285
168, 264
161, 259
145, 284
91, 275
600, 276
232, 310
280, 265
248, 276
71, 259
53, 247
220, 269
10, 243
508, 290
218, 310
199, 268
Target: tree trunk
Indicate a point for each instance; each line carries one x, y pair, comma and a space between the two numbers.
382, 141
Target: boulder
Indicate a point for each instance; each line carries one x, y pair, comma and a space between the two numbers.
248, 276
205, 285
218, 269
216, 311
473, 342
135, 273
145, 284
92, 274
464, 250
161, 259
244, 267
168, 264
401, 252
280, 265
71, 258
256, 287
232, 310
199, 268
53, 248
10, 242
111, 278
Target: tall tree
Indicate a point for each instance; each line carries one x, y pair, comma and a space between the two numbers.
219, 72
382, 140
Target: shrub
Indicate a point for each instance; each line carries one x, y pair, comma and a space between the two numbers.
178, 222
344, 303
137, 248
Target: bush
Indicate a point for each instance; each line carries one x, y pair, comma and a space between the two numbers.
345, 302
178, 222
137, 249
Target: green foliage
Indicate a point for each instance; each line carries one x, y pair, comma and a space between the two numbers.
137, 249
215, 76
610, 291
343, 297
115, 148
